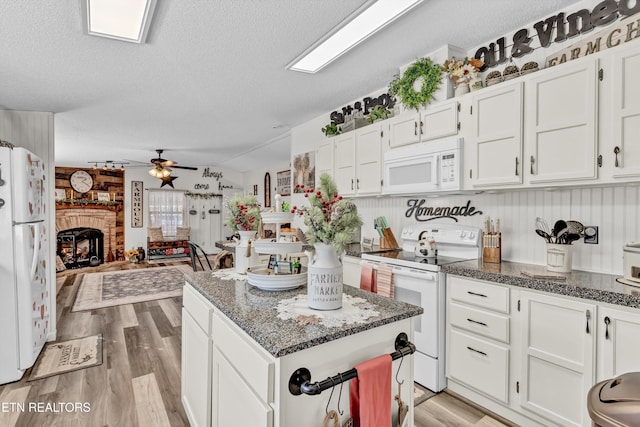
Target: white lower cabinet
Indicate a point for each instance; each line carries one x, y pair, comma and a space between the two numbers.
196, 358
558, 352
618, 343
528, 356
234, 401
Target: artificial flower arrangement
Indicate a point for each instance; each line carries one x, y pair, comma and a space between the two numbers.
462, 70
244, 213
132, 255
330, 218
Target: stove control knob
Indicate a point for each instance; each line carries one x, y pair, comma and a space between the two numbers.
471, 235
463, 234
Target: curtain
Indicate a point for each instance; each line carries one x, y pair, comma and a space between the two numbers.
167, 209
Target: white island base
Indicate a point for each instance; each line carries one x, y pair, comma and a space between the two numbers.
228, 379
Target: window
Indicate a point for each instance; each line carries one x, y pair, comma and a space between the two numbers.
167, 210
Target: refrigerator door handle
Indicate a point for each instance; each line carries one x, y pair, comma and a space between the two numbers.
36, 243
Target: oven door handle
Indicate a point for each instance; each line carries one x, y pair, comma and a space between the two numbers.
408, 273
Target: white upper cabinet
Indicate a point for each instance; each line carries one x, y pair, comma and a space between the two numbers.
561, 112
324, 159
369, 158
438, 121
624, 151
496, 138
345, 163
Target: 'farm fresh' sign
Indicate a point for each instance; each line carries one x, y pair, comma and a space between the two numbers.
418, 209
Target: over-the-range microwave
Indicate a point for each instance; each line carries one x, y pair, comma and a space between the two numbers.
424, 168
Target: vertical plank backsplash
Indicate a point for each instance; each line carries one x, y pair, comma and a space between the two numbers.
615, 210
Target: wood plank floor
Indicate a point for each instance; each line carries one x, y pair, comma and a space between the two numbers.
138, 383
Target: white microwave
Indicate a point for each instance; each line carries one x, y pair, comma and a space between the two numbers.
428, 167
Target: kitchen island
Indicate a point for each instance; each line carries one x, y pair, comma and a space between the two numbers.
241, 346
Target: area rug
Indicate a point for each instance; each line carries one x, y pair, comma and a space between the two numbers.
421, 394
66, 356
108, 289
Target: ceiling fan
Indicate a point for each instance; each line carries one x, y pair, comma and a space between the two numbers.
161, 168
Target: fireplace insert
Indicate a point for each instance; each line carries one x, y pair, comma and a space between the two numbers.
81, 247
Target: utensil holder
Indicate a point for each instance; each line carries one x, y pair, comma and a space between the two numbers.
559, 257
492, 248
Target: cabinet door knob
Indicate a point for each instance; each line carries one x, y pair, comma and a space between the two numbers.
606, 330
616, 151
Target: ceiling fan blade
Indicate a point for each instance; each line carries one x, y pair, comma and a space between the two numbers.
191, 168
167, 163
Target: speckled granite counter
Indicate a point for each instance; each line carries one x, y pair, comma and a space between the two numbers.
580, 284
254, 311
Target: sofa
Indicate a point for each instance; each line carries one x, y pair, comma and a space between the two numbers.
160, 246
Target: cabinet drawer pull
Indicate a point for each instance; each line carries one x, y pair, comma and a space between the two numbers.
415, 128
477, 351
588, 315
616, 151
516, 166
606, 330
476, 322
476, 294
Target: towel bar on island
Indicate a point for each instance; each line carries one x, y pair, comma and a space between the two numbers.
300, 380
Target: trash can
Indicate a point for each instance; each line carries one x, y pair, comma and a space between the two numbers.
616, 402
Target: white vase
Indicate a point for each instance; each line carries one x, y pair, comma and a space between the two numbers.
243, 261
461, 88
324, 279
559, 257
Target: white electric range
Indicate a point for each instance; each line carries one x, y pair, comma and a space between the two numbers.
420, 281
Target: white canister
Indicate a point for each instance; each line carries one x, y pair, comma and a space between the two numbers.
559, 257
324, 279
245, 257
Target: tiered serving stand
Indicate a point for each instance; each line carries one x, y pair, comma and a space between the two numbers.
262, 277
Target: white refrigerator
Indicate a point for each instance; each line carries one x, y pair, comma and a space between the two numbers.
24, 261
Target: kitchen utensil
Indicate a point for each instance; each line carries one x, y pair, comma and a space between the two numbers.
571, 237
542, 225
544, 235
631, 261
558, 227
575, 227
426, 248
560, 236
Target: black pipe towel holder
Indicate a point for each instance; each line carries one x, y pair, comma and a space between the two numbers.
300, 380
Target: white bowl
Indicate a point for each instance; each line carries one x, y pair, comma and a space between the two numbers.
259, 278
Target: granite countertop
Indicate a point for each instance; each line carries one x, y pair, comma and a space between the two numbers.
581, 284
254, 311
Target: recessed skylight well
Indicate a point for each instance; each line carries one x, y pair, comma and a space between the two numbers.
126, 20
366, 21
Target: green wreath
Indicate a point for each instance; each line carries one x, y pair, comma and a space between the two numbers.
402, 86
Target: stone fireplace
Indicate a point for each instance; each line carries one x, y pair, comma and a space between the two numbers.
70, 221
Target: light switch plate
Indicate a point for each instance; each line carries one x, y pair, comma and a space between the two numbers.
591, 234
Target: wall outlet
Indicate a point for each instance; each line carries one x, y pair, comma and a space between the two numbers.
591, 234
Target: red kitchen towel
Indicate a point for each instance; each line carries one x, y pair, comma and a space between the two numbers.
370, 393
384, 281
366, 276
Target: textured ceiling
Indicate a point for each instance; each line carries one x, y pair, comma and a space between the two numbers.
210, 84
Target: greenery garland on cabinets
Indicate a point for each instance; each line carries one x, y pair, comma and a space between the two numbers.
423, 69
202, 195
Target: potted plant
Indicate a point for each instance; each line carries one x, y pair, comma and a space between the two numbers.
331, 129
331, 222
378, 113
461, 72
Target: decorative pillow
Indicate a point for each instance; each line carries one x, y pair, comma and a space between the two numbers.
182, 233
155, 234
